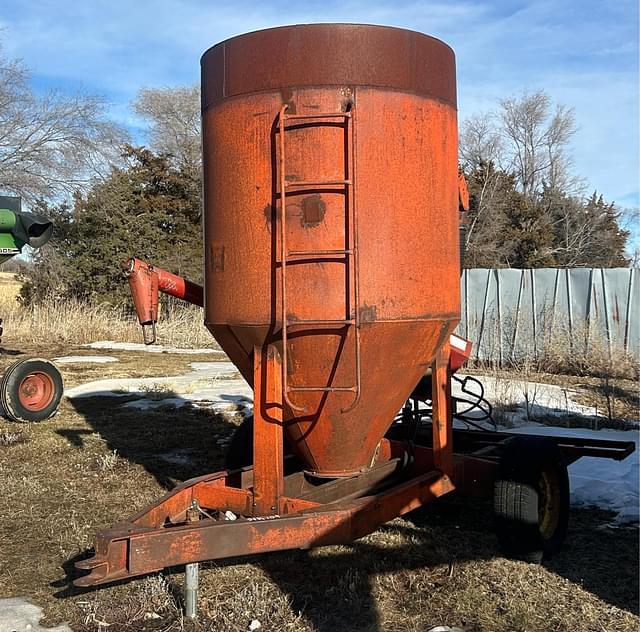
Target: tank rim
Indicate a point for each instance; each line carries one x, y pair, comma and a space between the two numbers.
312, 24
340, 54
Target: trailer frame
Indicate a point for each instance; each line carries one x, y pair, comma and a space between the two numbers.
259, 509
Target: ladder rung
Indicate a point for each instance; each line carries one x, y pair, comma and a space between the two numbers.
320, 183
294, 323
314, 253
290, 117
321, 389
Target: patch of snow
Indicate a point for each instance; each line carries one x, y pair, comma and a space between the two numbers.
217, 365
543, 398
204, 372
88, 358
211, 385
151, 404
176, 457
151, 615
139, 346
18, 614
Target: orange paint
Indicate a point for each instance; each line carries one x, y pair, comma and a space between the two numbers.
382, 131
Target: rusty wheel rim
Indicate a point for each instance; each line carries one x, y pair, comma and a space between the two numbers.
36, 391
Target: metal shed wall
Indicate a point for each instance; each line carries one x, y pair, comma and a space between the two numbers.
508, 313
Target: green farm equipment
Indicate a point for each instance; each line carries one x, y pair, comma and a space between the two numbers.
30, 390
19, 228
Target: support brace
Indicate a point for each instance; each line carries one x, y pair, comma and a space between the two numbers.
442, 410
268, 458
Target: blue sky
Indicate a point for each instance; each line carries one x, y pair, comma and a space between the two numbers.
584, 54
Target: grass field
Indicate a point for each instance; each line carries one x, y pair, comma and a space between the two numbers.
9, 288
96, 463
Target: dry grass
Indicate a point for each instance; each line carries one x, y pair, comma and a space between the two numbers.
555, 348
9, 288
96, 463
73, 323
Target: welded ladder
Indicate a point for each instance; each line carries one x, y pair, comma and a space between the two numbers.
349, 252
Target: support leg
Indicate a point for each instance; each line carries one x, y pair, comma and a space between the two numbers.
191, 576
442, 411
268, 477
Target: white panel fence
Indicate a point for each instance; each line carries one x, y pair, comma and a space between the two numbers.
511, 313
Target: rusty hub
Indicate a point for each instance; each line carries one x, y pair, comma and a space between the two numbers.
36, 391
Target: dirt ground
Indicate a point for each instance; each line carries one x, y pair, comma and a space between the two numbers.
96, 463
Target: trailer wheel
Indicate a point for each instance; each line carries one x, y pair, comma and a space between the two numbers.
531, 498
31, 390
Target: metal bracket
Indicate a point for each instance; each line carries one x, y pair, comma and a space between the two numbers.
154, 337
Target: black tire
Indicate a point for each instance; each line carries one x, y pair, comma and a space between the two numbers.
531, 498
31, 390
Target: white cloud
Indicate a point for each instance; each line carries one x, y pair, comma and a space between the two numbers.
583, 54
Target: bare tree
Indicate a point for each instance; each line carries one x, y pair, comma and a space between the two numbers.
527, 207
173, 115
536, 142
480, 142
577, 233
481, 150
54, 144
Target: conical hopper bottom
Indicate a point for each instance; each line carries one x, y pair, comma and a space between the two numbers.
332, 436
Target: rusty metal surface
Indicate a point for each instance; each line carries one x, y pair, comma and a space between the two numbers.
145, 291
463, 193
401, 207
268, 457
442, 414
167, 534
145, 281
348, 254
292, 57
162, 535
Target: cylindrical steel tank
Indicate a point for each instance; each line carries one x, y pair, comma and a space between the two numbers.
371, 212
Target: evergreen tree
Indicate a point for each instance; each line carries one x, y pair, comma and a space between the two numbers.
607, 250
528, 236
150, 210
526, 207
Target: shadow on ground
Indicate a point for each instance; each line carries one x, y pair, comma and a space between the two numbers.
174, 444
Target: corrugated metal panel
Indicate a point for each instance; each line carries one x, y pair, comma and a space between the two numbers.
510, 313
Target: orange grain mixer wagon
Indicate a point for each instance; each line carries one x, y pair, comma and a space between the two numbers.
332, 281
